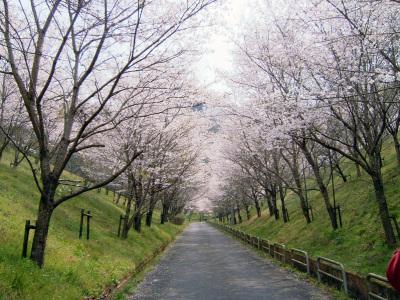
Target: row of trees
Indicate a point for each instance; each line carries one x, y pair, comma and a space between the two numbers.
105, 83
165, 176
317, 82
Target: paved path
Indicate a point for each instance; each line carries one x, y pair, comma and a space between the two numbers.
206, 264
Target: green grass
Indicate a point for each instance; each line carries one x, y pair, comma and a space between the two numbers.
73, 268
359, 245
130, 287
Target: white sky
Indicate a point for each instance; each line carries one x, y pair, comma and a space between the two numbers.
217, 56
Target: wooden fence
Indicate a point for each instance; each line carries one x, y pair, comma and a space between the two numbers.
324, 269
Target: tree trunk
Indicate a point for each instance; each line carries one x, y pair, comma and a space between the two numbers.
328, 206
126, 225
258, 208
152, 205
163, 219
303, 202
118, 198
149, 217
275, 209
277, 168
125, 228
246, 207
41, 232
283, 206
383, 209
304, 209
138, 221
164, 214
397, 148
358, 169
239, 216
269, 203
300, 192
340, 171
321, 186
16, 161
2, 148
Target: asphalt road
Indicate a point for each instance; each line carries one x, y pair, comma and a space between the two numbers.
206, 264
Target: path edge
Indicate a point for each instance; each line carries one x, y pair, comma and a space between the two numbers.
111, 289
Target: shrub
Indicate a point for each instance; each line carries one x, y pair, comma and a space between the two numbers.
178, 219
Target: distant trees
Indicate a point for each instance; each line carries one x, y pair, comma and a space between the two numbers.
13, 119
160, 175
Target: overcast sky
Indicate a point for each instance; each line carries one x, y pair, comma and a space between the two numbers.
219, 45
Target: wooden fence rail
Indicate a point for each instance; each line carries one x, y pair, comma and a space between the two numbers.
279, 252
331, 264
378, 287
297, 254
356, 286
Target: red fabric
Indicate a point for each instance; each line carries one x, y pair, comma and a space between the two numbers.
393, 270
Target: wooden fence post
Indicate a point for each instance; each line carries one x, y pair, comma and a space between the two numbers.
88, 215
28, 227
339, 215
81, 224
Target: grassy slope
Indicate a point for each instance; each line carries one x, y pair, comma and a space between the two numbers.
73, 268
359, 245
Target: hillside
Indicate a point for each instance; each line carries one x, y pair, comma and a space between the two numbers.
73, 268
359, 244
